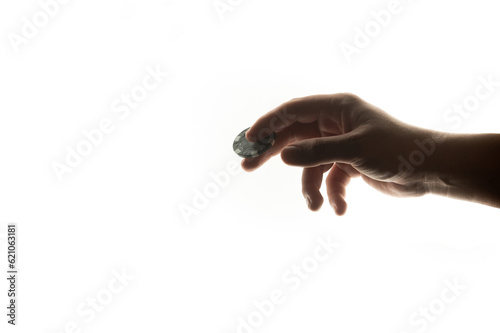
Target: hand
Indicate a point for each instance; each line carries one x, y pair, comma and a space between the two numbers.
345, 135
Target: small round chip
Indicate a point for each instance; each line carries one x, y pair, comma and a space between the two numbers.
246, 149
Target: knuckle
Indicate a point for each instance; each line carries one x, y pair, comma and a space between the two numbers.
350, 96
349, 99
344, 101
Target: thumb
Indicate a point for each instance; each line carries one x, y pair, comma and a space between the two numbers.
318, 151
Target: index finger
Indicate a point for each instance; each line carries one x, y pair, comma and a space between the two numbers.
299, 110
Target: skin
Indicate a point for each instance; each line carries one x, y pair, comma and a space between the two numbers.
347, 137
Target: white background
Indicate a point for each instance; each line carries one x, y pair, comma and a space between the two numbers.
119, 209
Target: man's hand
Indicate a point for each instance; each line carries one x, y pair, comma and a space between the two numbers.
345, 135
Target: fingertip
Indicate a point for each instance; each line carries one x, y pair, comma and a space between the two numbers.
288, 154
316, 204
246, 165
341, 212
339, 206
251, 164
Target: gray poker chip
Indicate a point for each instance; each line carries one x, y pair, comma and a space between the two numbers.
246, 149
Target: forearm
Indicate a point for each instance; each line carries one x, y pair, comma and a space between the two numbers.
467, 166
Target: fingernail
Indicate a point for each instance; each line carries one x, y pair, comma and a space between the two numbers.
308, 201
333, 206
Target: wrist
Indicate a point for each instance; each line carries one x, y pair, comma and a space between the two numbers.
465, 166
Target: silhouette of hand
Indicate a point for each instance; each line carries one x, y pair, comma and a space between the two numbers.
345, 135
